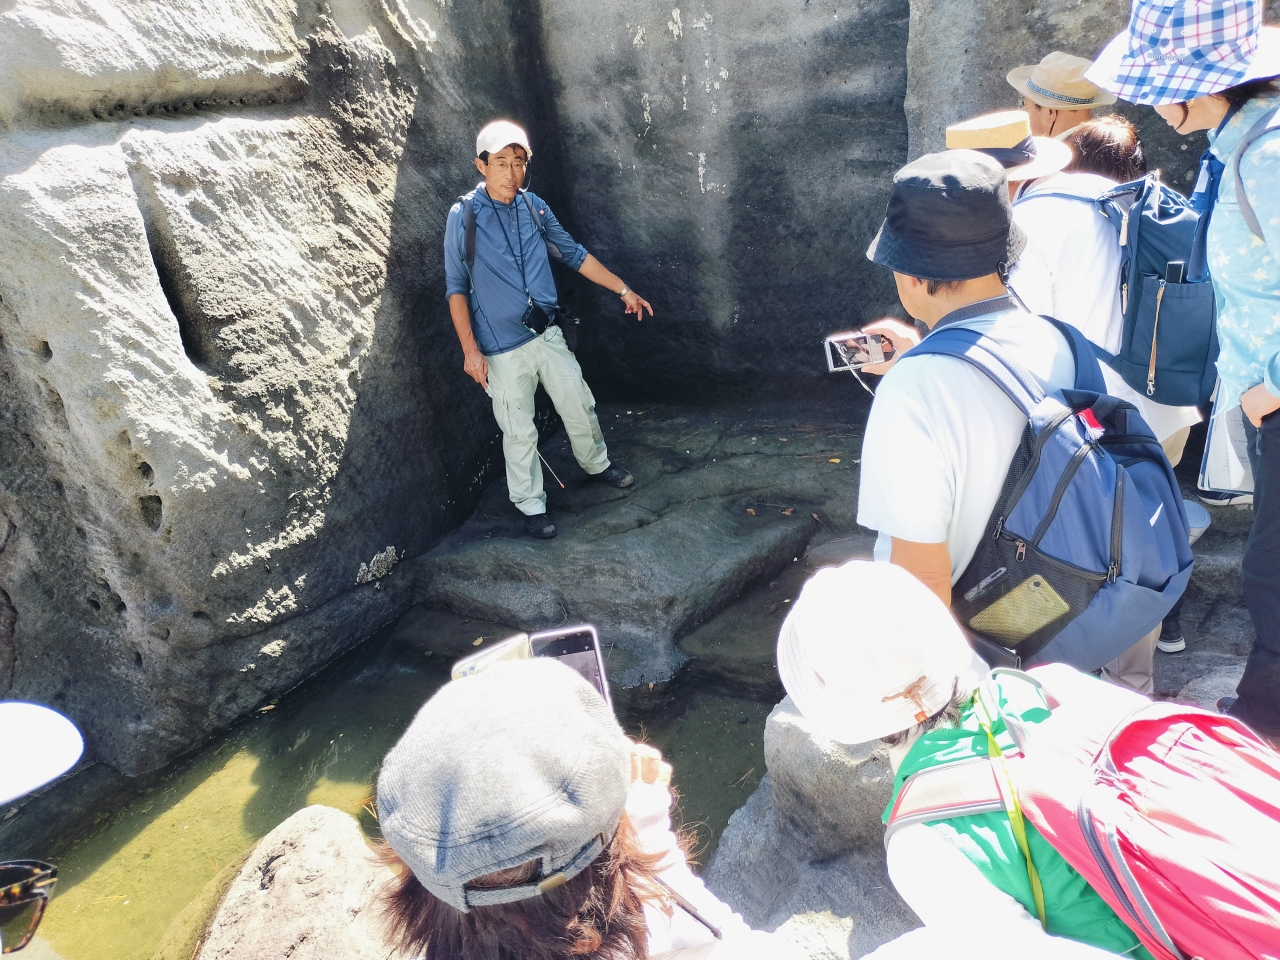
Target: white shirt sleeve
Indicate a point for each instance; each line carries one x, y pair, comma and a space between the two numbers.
906, 487
952, 898
649, 810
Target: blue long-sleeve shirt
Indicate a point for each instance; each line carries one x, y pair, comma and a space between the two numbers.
496, 292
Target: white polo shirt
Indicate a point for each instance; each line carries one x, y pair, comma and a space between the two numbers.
1071, 271
941, 435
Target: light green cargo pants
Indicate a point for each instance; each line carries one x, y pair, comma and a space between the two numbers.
513, 378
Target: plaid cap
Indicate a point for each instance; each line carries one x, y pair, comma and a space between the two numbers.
1175, 52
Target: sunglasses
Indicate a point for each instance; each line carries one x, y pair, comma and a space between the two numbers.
25, 886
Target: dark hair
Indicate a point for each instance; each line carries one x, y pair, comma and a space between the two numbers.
1108, 146
598, 915
949, 716
1240, 95
934, 287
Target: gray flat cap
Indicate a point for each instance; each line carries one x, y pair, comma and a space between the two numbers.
521, 761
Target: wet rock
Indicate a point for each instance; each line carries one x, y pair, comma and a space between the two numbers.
649, 564
805, 855
309, 885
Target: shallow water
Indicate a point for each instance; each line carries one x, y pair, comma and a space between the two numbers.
136, 880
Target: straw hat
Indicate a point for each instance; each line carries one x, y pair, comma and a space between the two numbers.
1006, 136
1177, 51
868, 650
1058, 82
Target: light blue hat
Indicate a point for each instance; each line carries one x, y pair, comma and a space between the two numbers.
1178, 51
522, 761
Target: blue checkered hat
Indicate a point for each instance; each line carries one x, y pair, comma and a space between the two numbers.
1176, 51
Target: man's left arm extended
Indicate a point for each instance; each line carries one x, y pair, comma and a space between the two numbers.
597, 272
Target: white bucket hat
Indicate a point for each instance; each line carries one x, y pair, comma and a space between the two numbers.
1006, 137
868, 650
1058, 82
501, 134
1177, 51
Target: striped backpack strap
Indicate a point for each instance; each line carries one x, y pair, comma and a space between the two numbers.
963, 789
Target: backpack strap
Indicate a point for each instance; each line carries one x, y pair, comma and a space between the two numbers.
552, 250
1266, 123
985, 354
468, 202
962, 789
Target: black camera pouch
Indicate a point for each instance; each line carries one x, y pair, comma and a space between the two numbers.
536, 318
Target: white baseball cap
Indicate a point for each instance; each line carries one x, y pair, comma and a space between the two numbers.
39, 744
868, 650
499, 135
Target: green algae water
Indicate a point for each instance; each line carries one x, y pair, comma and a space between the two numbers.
138, 876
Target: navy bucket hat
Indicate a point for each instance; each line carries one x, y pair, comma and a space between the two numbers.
949, 218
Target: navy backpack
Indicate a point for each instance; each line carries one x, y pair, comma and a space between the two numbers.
1086, 549
1169, 347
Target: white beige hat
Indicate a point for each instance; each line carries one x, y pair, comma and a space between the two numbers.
501, 134
39, 745
1006, 137
868, 650
1058, 82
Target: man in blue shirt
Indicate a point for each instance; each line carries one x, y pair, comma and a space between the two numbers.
503, 305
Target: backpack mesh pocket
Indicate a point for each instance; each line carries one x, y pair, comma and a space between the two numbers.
1017, 596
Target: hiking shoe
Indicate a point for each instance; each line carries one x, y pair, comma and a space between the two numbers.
1225, 704
616, 476
1216, 498
537, 525
1171, 639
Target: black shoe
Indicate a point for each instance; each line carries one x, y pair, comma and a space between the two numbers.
1171, 638
537, 525
1225, 704
616, 476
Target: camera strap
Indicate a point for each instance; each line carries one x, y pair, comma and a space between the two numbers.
536, 318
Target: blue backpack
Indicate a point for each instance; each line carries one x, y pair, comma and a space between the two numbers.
1169, 346
1086, 549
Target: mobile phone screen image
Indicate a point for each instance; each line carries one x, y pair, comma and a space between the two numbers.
576, 647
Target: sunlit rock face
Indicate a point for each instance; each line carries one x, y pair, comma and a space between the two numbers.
226, 381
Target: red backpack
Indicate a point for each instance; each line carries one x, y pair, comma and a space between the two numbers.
1171, 813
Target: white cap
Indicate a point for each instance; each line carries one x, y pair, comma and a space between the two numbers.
38, 745
499, 135
868, 650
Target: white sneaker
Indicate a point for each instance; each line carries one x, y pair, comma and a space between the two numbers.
1215, 498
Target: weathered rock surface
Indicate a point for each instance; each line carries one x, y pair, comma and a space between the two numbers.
805, 855
735, 157
225, 366
308, 889
722, 498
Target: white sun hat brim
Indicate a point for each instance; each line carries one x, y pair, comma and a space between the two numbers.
861, 635
1052, 156
39, 745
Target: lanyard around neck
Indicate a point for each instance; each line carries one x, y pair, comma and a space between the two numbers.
519, 259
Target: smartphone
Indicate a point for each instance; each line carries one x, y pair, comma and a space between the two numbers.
577, 647
855, 350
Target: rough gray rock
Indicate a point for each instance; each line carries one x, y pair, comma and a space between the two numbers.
308, 889
805, 855
224, 358
733, 157
721, 499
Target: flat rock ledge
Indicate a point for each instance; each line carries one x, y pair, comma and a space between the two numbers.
804, 856
307, 890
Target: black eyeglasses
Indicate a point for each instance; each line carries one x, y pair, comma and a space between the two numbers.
25, 886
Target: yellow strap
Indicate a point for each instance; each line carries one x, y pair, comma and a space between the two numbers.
1014, 810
